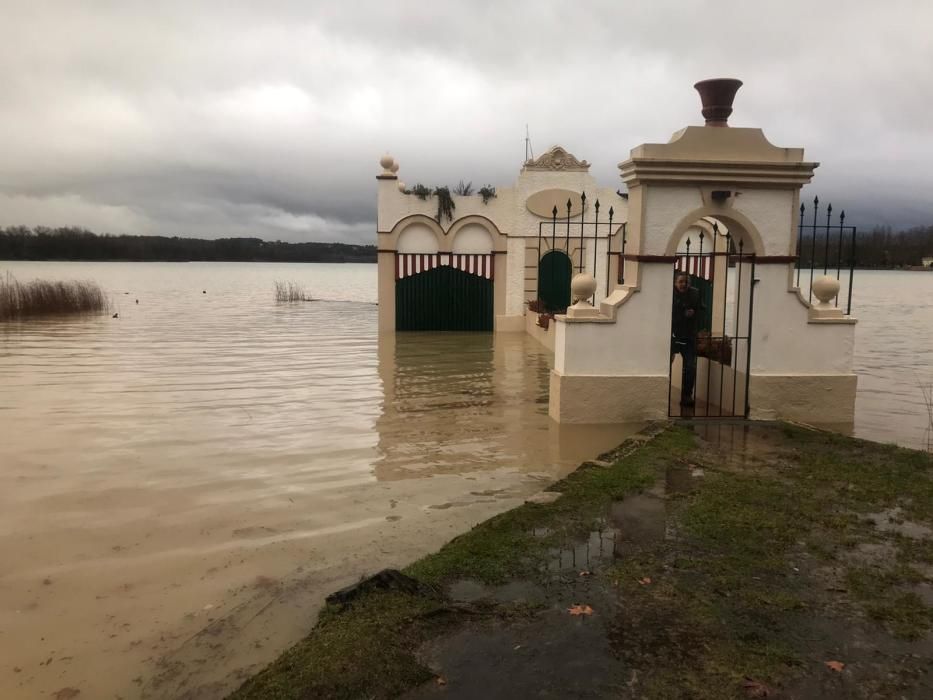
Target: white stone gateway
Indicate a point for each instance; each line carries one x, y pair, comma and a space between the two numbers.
776, 355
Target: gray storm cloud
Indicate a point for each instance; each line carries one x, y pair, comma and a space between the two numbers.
218, 119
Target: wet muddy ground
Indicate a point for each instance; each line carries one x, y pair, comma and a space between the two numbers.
716, 561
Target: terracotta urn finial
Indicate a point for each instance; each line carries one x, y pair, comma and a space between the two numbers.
717, 95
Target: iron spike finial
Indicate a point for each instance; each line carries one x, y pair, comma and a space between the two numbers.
569, 205
741, 245
583, 196
842, 217
701, 235
715, 227
802, 208
597, 205
688, 244
554, 211
829, 209
816, 201
611, 212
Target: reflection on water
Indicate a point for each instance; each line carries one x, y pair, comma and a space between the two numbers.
459, 402
177, 482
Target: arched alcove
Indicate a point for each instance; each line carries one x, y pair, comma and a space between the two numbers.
417, 237
473, 238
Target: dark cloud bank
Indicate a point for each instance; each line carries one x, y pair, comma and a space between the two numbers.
238, 119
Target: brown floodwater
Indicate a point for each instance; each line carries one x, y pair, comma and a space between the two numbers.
182, 485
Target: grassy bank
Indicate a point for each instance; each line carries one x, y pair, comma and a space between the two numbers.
777, 559
39, 297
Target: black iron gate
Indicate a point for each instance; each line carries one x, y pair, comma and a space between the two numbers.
711, 358
444, 292
562, 245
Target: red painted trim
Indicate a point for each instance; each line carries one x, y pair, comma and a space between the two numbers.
669, 259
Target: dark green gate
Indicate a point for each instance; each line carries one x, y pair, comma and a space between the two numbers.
554, 272
444, 299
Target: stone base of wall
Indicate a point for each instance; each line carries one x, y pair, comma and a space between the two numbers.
601, 399
510, 324
543, 336
816, 399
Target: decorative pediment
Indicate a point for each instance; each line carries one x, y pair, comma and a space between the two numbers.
556, 158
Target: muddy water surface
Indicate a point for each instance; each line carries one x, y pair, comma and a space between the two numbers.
181, 485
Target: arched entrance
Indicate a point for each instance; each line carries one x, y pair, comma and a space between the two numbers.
444, 291
554, 272
711, 320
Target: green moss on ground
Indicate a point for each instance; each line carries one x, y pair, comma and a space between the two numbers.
765, 567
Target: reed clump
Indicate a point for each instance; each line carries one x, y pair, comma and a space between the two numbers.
290, 291
927, 391
41, 297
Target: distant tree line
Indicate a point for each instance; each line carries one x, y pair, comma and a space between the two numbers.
879, 248
883, 247
69, 243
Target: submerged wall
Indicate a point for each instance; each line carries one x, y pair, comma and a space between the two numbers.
511, 220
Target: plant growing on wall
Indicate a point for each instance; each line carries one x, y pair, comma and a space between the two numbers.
488, 192
445, 204
420, 191
464, 190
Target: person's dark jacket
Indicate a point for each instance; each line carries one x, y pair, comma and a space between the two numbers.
683, 326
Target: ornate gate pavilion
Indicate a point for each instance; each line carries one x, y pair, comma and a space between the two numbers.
719, 202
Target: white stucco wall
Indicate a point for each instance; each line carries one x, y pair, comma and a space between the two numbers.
772, 212
637, 343
666, 207
515, 291
783, 340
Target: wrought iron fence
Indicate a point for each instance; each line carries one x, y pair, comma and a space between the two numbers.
564, 233
823, 244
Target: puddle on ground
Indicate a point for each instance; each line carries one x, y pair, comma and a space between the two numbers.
632, 523
469, 591
740, 444
892, 520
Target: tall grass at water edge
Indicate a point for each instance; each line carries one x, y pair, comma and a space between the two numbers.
290, 291
40, 297
927, 391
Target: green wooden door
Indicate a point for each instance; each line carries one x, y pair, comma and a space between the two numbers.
705, 288
554, 272
444, 299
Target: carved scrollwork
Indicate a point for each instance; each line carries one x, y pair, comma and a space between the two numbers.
556, 158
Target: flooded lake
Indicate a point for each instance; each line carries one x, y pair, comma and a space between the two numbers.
181, 485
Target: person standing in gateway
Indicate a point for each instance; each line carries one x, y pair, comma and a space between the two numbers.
685, 309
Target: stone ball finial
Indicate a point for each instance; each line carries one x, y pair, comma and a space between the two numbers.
825, 289
387, 162
582, 286
401, 186
717, 96
394, 167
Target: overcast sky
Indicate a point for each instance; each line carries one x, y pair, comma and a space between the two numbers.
268, 119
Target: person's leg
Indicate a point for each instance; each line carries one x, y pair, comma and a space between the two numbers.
689, 352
